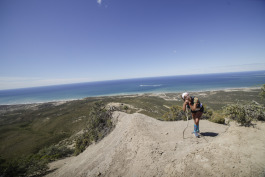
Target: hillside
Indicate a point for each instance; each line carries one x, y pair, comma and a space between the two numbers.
143, 146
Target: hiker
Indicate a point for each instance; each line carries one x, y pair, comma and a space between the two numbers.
196, 108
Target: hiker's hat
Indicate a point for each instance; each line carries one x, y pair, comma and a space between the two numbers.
184, 94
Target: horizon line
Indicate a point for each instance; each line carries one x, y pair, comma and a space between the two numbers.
132, 78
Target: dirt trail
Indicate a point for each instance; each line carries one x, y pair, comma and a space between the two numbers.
143, 146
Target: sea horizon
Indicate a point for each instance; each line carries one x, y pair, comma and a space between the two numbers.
161, 84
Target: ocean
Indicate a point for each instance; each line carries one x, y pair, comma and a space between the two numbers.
199, 82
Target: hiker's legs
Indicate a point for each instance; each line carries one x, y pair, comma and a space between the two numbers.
196, 117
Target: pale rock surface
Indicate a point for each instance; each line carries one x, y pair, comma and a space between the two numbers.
143, 146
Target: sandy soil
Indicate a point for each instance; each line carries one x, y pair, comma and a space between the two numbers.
143, 146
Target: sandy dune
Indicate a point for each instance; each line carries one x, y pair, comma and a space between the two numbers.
143, 146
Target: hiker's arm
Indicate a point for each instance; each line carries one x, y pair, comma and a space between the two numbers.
184, 105
193, 107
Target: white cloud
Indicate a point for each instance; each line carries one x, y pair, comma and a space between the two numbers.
99, 1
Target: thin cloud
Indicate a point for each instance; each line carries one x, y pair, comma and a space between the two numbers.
24, 82
99, 2
238, 68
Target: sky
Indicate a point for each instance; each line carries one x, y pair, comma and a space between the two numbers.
49, 42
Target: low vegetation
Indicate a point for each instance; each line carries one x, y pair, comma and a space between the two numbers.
245, 114
98, 125
262, 93
218, 118
35, 164
175, 113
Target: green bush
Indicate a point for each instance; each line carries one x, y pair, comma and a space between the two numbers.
24, 166
262, 93
98, 125
217, 118
245, 114
175, 113
125, 108
207, 113
33, 165
53, 153
82, 143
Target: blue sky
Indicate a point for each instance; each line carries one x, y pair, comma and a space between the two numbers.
47, 42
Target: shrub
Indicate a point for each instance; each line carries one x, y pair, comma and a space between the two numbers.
24, 166
33, 165
53, 153
175, 113
207, 113
262, 93
125, 108
217, 118
98, 125
82, 143
245, 114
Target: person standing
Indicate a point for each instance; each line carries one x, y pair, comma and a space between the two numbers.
196, 107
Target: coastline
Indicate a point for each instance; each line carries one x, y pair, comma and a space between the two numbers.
167, 96
138, 86
158, 93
